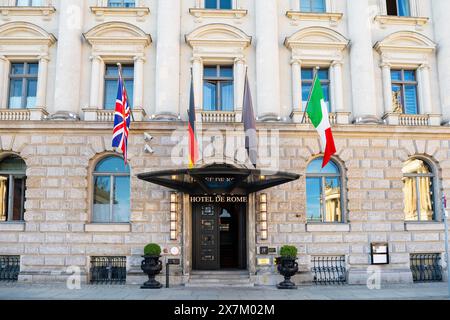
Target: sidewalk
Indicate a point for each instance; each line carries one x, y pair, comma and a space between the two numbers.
19, 291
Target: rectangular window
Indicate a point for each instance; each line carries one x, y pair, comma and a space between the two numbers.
399, 8
219, 4
121, 3
29, 3
404, 86
23, 80
308, 75
12, 197
111, 199
111, 80
218, 88
312, 6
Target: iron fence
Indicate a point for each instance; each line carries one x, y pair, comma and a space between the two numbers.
426, 267
329, 270
108, 270
9, 268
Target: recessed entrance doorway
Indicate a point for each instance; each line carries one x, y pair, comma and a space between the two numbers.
219, 236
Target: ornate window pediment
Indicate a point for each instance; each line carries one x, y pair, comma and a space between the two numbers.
317, 43
24, 37
117, 38
218, 40
405, 47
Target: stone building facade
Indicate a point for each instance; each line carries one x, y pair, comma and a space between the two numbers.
62, 127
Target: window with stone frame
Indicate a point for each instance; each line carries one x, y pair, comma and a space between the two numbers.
401, 8
29, 3
308, 75
317, 6
111, 84
121, 3
12, 188
324, 196
23, 79
219, 4
404, 90
419, 190
218, 88
111, 191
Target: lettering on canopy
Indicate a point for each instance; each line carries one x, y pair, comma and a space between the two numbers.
219, 199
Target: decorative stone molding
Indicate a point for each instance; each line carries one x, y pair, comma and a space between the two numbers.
211, 13
139, 12
408, 49
419, 22
115, 42
333, 18
110, 228
45, 12
101, 115
219, 43
23, 40
318, 46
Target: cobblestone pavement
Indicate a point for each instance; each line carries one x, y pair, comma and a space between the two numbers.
19, 291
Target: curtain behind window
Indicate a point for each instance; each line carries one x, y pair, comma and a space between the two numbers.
3, 204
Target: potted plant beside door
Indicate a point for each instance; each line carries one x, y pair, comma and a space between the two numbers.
287, 266
151, 265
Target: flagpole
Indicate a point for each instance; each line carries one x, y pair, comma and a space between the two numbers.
121, 77
310, 92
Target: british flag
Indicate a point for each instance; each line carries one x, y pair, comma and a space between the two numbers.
121, 119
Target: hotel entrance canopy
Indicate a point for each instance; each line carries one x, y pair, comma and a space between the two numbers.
218, 179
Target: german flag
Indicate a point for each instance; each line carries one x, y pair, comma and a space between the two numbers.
193, 143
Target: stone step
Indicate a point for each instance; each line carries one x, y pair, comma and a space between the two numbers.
219, 283
219, 276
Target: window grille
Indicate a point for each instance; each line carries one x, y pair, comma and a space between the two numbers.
9, 268
329, 270
426, 267
108, 270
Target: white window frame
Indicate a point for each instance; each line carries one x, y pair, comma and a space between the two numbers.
230, 49
322, 52
408, 50
35, 46
200, 4
415, 7
109, 48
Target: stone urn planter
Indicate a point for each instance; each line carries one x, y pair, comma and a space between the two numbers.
152, 266
287, 266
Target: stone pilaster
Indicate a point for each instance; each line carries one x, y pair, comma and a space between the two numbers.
168, 60
267, 60
68, 59
361, 62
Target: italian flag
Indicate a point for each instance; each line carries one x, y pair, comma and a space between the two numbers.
318, 113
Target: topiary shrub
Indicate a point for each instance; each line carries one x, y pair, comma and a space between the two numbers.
152, 249
288, 252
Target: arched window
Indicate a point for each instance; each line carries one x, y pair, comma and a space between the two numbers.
12, 188
419, 190
111, 201
323, 192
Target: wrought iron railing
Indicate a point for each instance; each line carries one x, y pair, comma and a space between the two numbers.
9, 268
329, 269
426, 267
108, 270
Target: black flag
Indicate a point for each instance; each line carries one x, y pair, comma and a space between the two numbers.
248, 117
